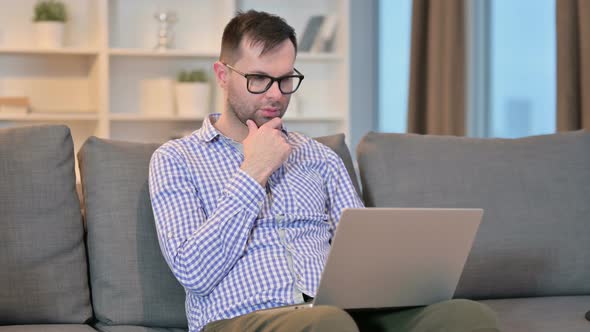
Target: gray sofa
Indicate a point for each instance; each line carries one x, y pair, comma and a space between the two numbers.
60, 272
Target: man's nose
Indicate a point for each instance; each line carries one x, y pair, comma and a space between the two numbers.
274, 90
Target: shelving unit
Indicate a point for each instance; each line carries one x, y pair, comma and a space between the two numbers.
92, 84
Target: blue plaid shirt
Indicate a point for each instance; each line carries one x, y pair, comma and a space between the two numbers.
236, 246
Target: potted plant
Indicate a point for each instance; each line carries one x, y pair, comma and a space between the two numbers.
49, 18
192, 93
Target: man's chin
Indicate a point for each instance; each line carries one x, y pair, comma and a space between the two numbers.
262, 120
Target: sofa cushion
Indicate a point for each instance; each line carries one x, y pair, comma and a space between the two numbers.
543, 314
47, 328
338, 144
130, 281
131, 328
43, 267
533, 239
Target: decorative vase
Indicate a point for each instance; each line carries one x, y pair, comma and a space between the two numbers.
49, 34
192, 99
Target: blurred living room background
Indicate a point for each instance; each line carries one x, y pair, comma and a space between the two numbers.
141, 70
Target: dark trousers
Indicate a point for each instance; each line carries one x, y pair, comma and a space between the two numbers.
451, 316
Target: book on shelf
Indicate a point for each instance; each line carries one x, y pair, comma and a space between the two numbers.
324, 41
312, 28
319, 34
14, 105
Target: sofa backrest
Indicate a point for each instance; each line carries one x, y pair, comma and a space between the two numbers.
534, 238
131, 283
337, 143
43, 271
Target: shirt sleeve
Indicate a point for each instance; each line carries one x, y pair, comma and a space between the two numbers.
200, 250
341, 191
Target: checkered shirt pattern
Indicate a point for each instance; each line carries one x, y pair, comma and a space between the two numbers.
236, 246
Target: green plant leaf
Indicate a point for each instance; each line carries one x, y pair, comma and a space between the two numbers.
50, 10
198, 75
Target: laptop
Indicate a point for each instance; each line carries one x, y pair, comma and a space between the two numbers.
395, 257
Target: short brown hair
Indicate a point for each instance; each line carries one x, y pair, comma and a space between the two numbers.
261, 27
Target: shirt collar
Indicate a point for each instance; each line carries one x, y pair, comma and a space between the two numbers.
208, 132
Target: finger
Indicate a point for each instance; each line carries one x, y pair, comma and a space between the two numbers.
275, 123
252, 128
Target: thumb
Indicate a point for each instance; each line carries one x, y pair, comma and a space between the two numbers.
252, 128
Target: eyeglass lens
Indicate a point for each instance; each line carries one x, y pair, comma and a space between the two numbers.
259, 83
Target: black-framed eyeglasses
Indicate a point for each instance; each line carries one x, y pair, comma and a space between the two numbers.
260, 83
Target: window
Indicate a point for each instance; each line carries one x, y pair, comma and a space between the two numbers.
521, 75
512, 71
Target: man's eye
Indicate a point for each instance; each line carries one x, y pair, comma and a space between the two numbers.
259, 79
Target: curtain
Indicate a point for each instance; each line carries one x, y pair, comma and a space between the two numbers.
573, 64
436, 103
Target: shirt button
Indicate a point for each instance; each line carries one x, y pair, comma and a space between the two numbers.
170, 235
280, 217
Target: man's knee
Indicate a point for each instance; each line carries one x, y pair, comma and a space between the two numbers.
472, 308
329, 318
466, 315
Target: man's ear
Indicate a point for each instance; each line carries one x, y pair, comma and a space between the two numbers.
221, 74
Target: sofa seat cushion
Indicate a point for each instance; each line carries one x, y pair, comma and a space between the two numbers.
43, 271
133, 328
47, 328
542, 314
533, 239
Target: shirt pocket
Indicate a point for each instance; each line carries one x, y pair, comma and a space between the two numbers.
306, 192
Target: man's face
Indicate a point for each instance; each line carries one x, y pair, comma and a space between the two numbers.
263, 107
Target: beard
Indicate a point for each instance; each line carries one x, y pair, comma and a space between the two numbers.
244, 112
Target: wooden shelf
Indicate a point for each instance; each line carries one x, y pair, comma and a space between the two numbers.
49, 51
176, 53
49, 117
133, 117
319, 56
137, 52
312, 119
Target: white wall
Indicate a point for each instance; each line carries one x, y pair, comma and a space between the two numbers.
363, 69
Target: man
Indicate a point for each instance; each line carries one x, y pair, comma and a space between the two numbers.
245, 209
